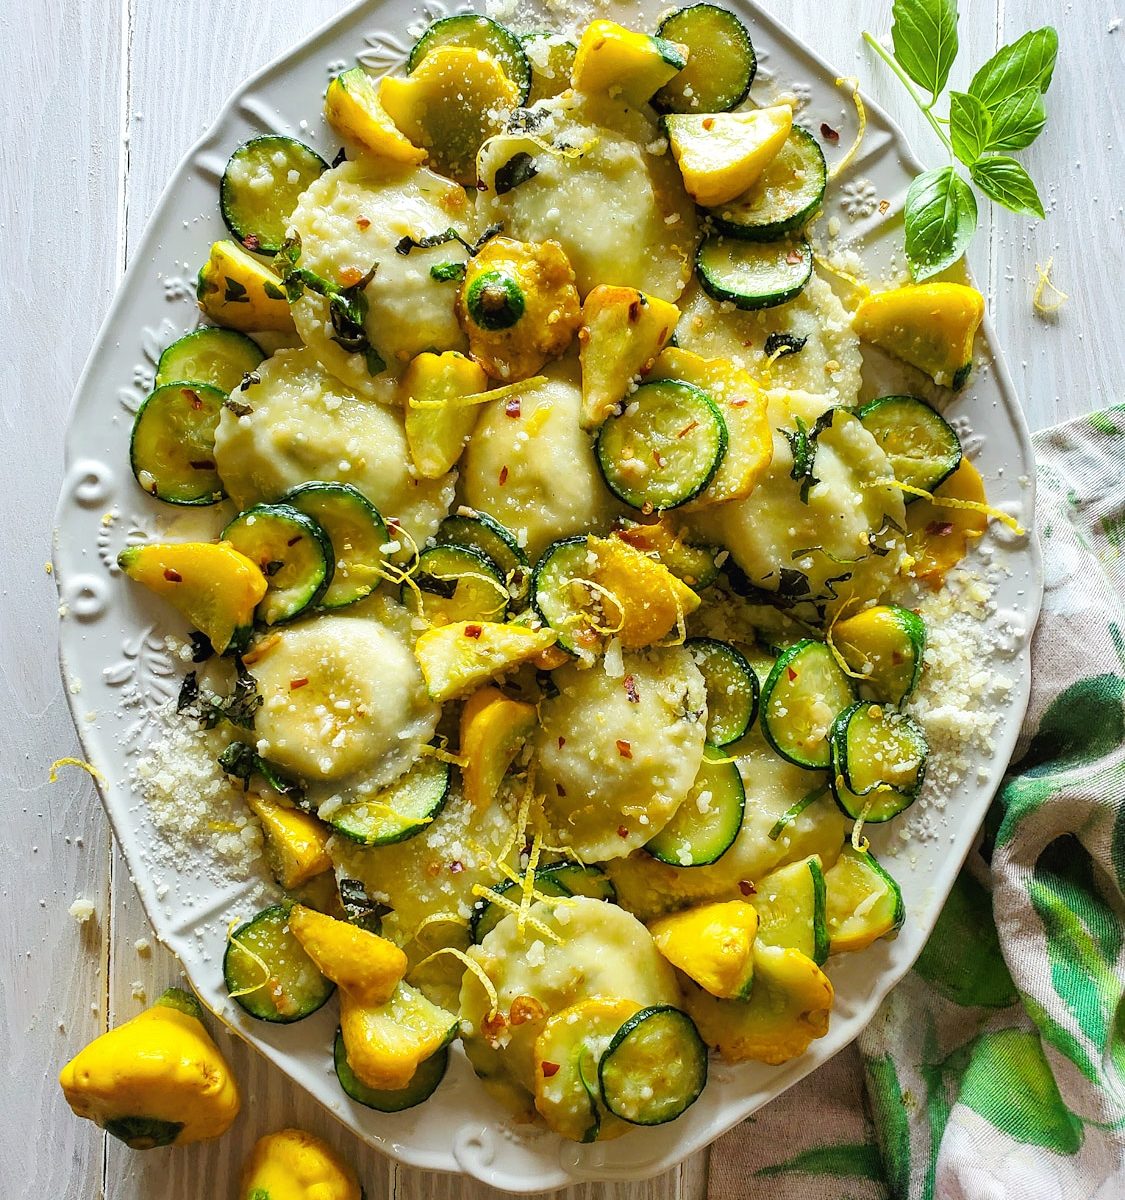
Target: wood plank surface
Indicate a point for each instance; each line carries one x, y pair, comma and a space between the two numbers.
100, 102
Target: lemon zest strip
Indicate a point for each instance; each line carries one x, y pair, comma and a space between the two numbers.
1047, 308
951, 502
80, 763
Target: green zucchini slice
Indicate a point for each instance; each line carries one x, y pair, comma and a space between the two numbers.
477, 33
430, 1073
579, 879
721, 61
293, 552
791, 906
218, 357
356, 531
172, 446
487, 536
923, 448
878, 761
732, 689
550, 56
790, 190
804, 694
268, 973
456, 583
886, 646
753, 275
559, 596
486, 915
665, 448
705, 825
655, 1068
396, 813
864, 901
261, 185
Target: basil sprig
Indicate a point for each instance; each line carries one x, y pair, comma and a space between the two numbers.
1002, 112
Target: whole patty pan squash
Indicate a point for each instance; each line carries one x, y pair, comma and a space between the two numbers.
294, 1165
157, 1080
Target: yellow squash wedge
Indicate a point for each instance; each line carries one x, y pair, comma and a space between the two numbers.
436, 436
212, 585
294, 1165
614, 61
623, 330
364, 964
929, 325
296, 842
788, 1008
864, 902
455, 99
939, 537
157, 1080
494, 729
743, 406
352, 108
721, 155
234, 289
518, 306
458, 658
713, 945
646, 601
386, 1043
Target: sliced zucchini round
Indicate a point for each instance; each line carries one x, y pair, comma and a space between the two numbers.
172, 446
732, 689
790, 190
665, 448
396, 813
923, 448
721, 61
293, 552
805, 692
560, 597
707, 822
579, 879
878, 761
752, 275
430, 1073
268, 973
790, 903
551, 57
261, 185
655, 1068
886, 645
356, 531
456, 583
694, 564
477, 33
498, 544
486, 915
864, 902
218, 357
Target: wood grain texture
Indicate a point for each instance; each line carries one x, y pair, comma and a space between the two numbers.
121, 89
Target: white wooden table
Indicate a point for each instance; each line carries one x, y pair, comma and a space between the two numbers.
100, 99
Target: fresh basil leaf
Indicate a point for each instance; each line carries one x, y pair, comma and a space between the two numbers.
941, 217
924, 35
970, 126
1018, 120
1027, 62
518, 169
1003, 179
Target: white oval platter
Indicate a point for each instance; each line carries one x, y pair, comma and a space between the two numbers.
119, 671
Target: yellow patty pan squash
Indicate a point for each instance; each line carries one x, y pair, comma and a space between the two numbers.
210, 584
459, 657
352, 108
713, 944
721, 155
518, 306
938, 537
386, 1043
437, 426
234, 289
450, 104
642, 600
929, 325
613, 60
157, 1080
864, 902
296, 842
494, 729
362, 963
294, 1165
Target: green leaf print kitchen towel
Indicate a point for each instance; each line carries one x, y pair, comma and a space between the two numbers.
996, 1069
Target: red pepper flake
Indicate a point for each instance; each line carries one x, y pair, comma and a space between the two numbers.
524, 1009
362, 222
658, 458
294, 684
294, 540
791, 673
634, 312
549, 1069
560, 790
708, 122
456, 867
193, 399
828, 133
939, 528
503, 476
562, 742
394, 524
884, 207
747, 888
473, 631
622, 832
687, 429
738, 402
251, 241
631, 693
648, 508
512, 407
202, 464
172, 575
493, 1027
793, 257
624, 749
897, 657
351, 276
